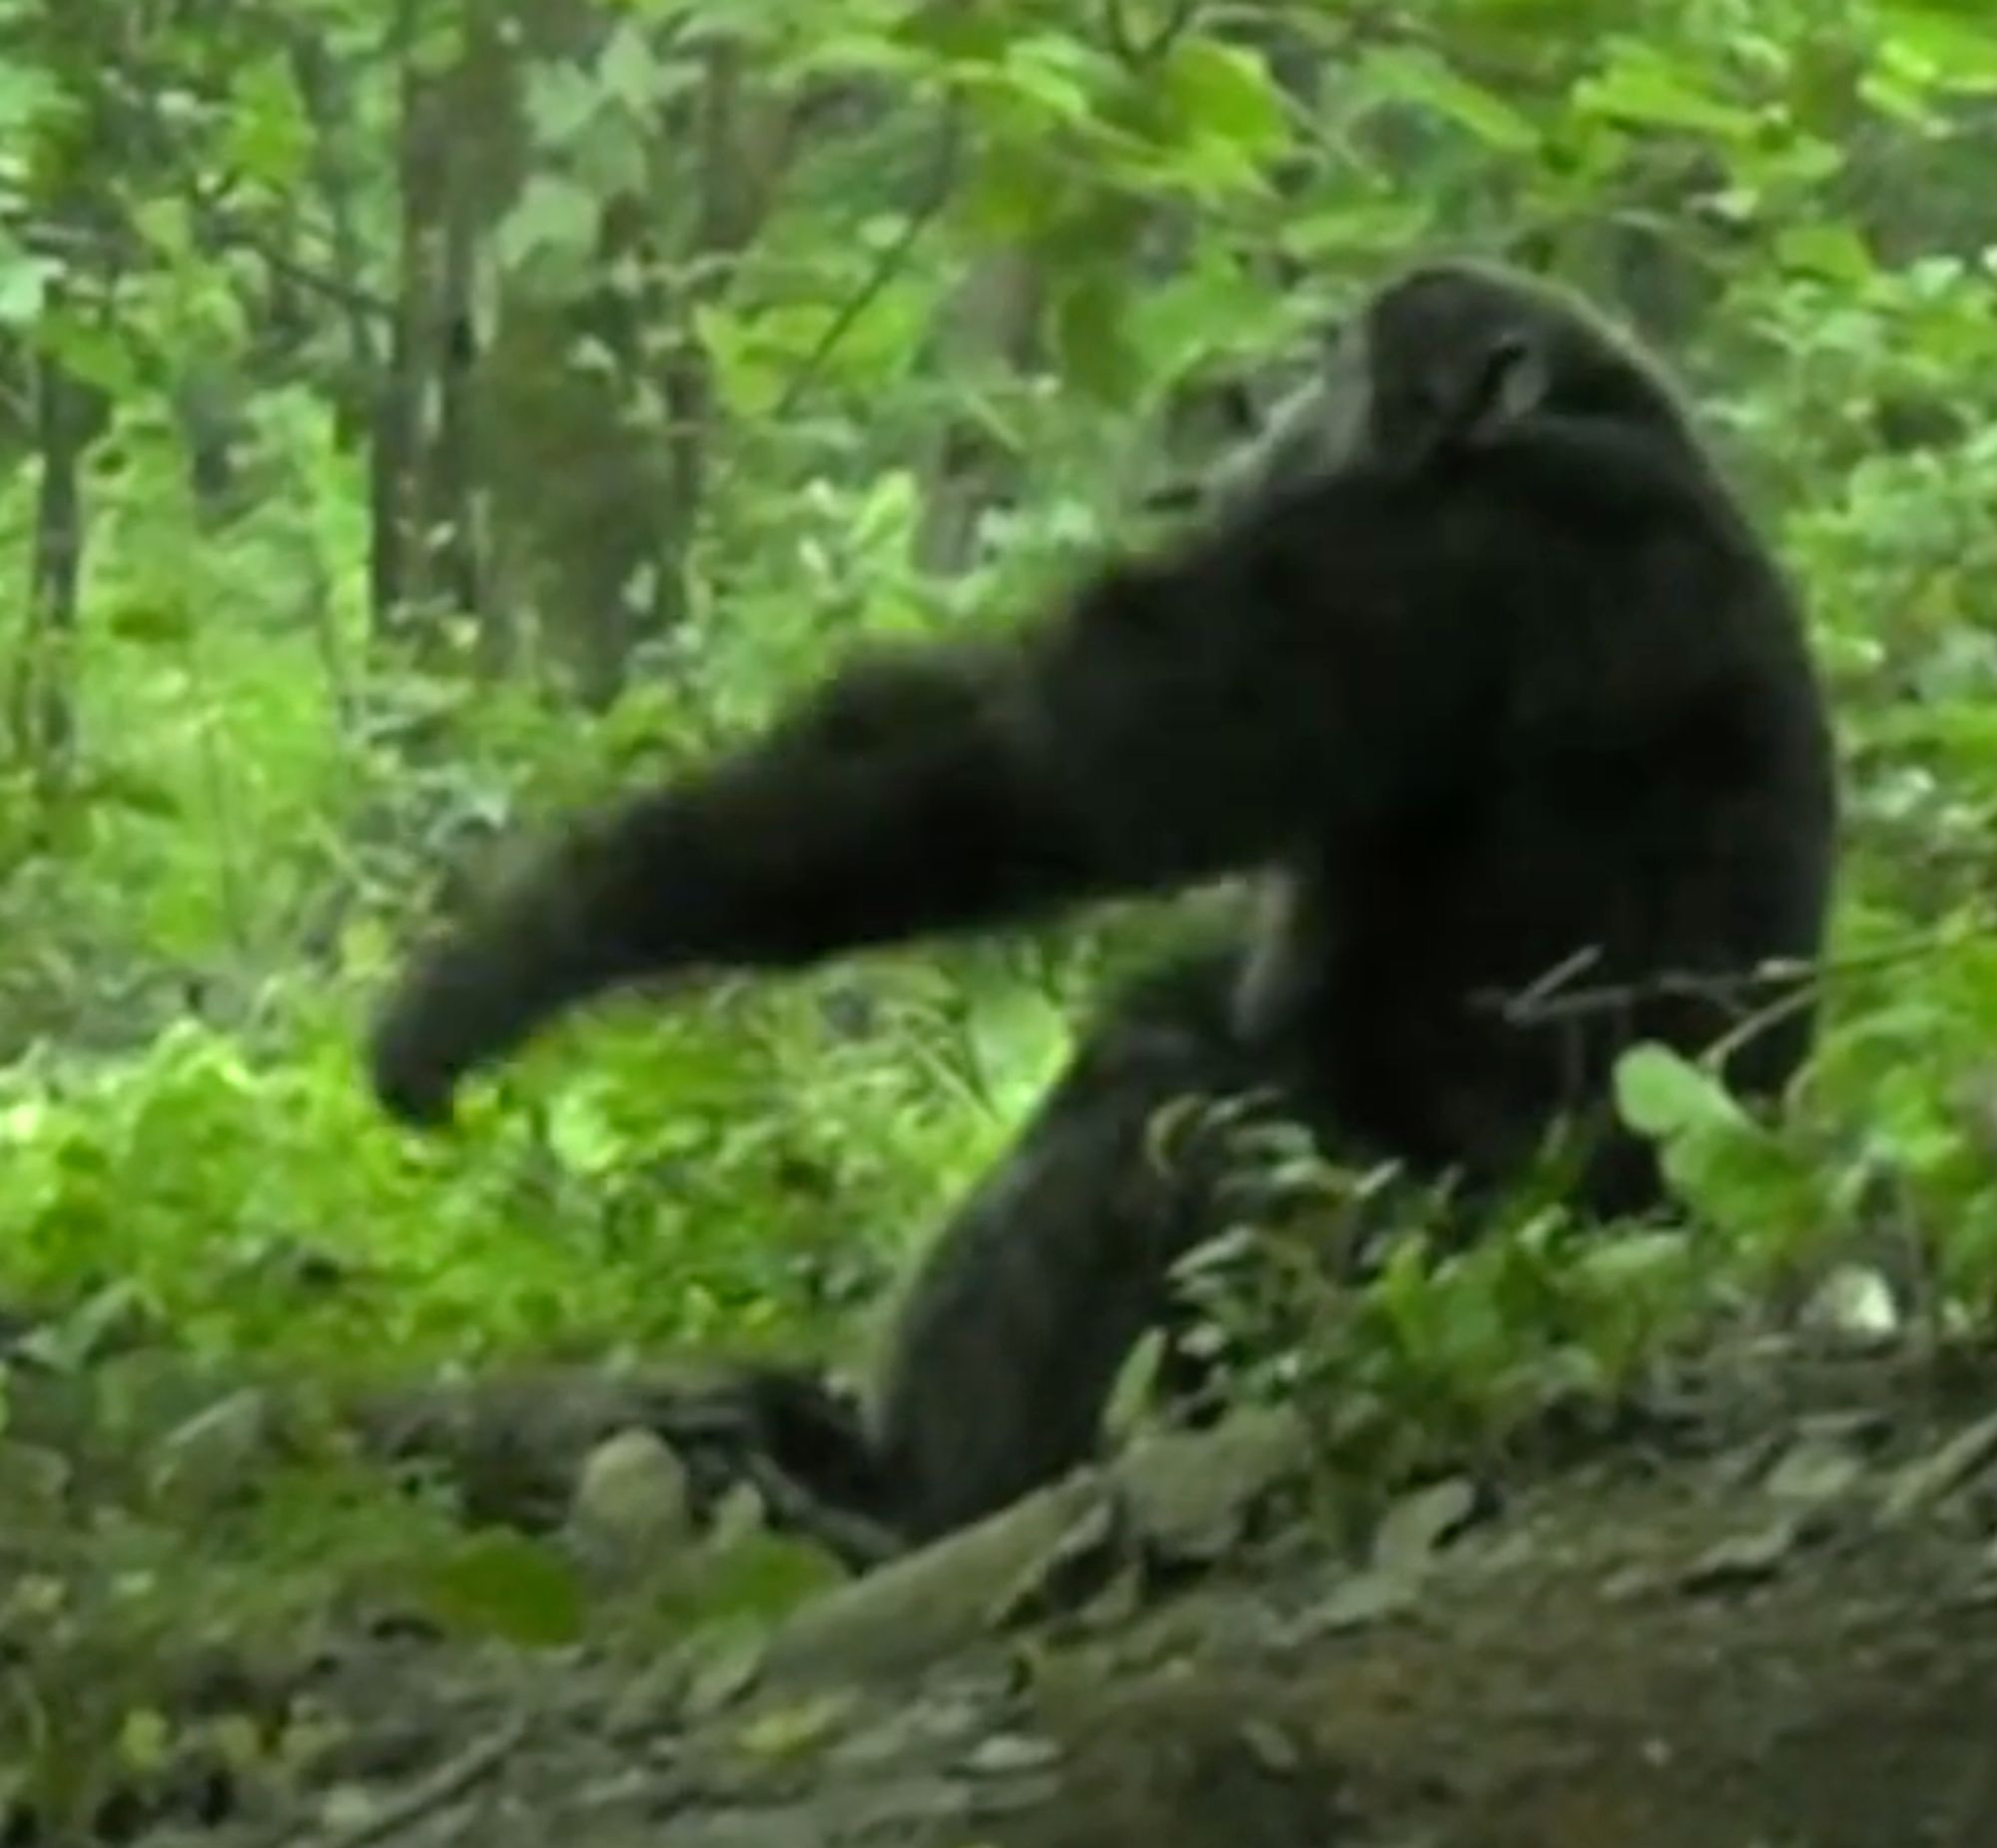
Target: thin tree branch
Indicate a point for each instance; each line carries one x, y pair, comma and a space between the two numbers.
1547, 1001
887, 266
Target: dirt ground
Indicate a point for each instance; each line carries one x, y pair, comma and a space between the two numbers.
1779, 1634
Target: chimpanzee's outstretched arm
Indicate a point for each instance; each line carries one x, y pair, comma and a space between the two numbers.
1181, 719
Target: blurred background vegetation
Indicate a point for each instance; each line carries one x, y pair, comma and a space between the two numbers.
418, 417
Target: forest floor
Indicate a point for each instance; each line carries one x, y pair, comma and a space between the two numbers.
1771, 1623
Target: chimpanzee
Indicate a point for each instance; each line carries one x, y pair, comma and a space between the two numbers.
1476, 664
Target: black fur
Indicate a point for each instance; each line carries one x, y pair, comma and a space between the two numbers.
1493, 676
1012, 1333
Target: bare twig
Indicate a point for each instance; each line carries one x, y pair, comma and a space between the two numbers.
109, 246
353, 296
1754, 1025
888, 265
1546, 1001
451, 1780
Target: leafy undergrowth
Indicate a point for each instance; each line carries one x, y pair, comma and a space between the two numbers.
250, 720
1761, 1610
223, 1265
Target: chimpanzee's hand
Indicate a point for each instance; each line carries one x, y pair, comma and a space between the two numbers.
423, 1043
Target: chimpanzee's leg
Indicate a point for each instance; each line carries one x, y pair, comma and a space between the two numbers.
1019, 1320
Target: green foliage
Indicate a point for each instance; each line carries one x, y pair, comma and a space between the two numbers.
505, 1585
677, 1188
265, 785
1740, 1175
205, 242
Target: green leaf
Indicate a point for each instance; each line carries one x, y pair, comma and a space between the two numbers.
584, 1138
1052, 74
761, 1575
28, 95
1021, 1039
1090, 335
1717, 1157
1015, 196
506, 1587
1638, 1260
1662, 1095
631, 71
24, 282
554, 218
855, 54
561, 104
1227, 94
793, 1731
1646, 89
93, 352
1423, 79
1949, 47
1834, 251
270, 137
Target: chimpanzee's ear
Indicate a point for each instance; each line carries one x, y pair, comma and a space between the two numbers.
1509, 384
